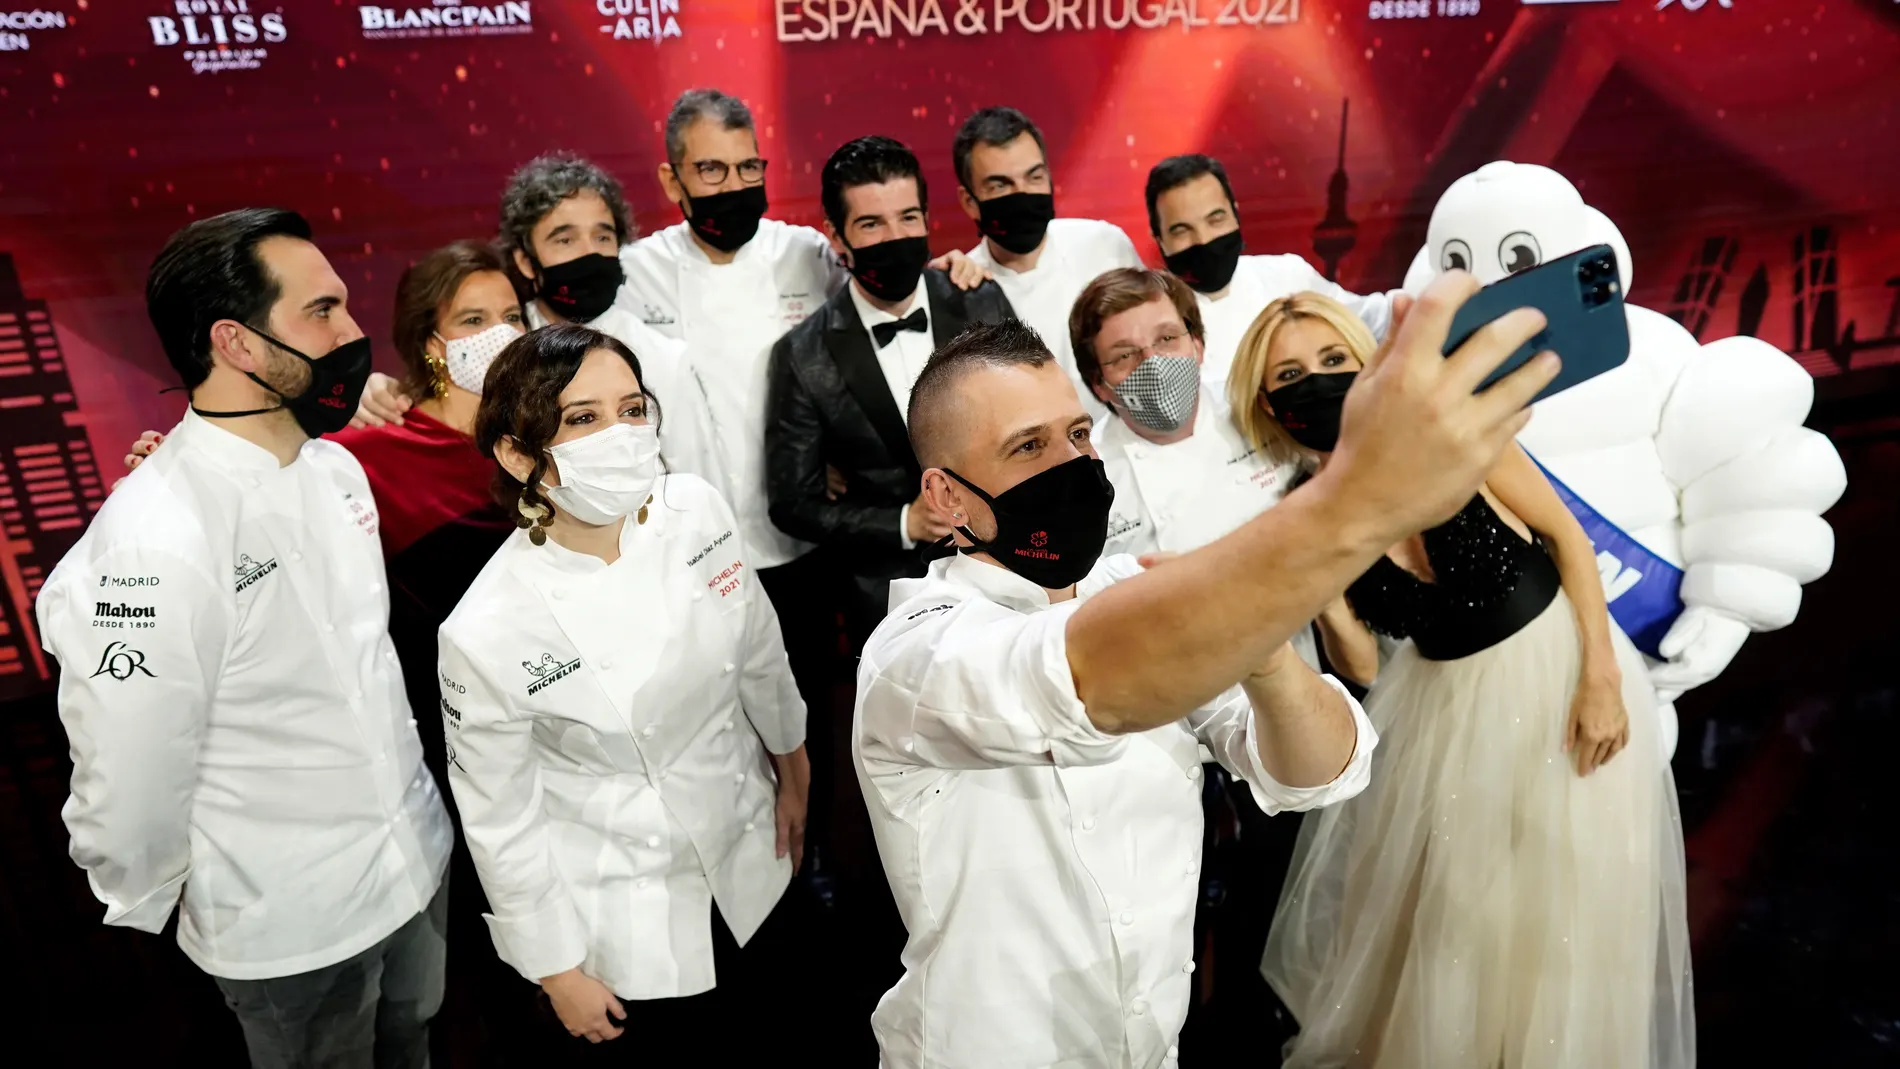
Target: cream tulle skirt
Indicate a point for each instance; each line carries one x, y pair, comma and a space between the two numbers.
1481, 906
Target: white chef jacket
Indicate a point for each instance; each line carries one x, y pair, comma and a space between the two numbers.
687, 441
1074, 253
901, 361
1260, 280
730, 315
240, 736
1046, 872
608, 726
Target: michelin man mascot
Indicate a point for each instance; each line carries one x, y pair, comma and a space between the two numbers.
1688, 465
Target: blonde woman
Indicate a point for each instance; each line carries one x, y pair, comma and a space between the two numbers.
1508, 892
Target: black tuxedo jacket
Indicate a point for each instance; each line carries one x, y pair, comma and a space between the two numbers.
829, 403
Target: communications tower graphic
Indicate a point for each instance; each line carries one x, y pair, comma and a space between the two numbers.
1336, 234
49, 484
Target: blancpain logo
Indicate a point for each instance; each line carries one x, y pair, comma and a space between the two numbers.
13, 25
232, 29
446, 18
639, 20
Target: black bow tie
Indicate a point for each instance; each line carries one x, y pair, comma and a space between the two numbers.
884, 332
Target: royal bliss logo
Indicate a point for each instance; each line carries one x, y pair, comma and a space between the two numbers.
15, 24
547, 670
446, 18
250, 571
121, 662
220, 35
119, 615
639, 20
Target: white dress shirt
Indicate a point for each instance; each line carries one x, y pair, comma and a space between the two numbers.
608, 726
688, 440
902, 361
1258, 281
1074, 253
730, 315
1046, 872
240, 737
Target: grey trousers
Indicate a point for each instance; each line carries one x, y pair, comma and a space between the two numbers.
371, 1011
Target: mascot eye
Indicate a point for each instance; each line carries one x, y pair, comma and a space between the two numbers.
1455, 257
1519, 252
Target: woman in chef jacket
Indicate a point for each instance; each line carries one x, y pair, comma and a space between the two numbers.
626, 743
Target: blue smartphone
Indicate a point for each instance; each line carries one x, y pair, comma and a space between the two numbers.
1581, 296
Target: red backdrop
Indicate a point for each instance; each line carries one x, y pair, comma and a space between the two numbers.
1746, 148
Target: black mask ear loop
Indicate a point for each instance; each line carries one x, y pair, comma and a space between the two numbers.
977, 545
254, 411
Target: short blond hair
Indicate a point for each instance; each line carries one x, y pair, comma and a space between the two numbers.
1246, 379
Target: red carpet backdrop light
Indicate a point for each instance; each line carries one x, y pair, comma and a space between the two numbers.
1747, 149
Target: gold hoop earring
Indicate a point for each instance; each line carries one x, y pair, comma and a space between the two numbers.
534, 519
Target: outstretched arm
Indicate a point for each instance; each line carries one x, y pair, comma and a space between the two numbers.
1416, 442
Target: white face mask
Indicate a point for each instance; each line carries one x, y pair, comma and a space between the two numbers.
606, 475
467, 359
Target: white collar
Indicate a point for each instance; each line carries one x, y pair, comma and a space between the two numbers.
233, 453
871, 315
994, 582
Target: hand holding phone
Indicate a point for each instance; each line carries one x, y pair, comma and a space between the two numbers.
1581, 296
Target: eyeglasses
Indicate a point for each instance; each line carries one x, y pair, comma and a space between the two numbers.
714, 172
1165, 345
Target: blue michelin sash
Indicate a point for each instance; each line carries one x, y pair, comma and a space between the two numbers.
1644, 590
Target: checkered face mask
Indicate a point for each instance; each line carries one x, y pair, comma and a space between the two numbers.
1160, 393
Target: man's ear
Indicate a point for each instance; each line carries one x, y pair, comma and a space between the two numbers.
236, 347
838, 247
968, 203
524, 265
670, 184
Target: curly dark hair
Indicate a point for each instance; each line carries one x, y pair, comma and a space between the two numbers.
538, 188
521, 400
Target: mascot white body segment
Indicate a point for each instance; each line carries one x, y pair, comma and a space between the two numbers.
1696, 451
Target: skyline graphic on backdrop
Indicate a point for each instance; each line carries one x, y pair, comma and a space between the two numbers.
49, 483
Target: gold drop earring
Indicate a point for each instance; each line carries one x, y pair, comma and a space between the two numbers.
534, 519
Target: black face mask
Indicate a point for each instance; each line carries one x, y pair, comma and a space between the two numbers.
1309, 409
1016, 221
1207, 267
1050, 528
726, 220
336, 387
889, 270
580, 290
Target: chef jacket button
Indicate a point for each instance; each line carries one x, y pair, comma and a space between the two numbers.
1088, 823
1189, 967
1194, 773
663, 773
738, 777
750, 826
727, 726
1174, 1052
1138, 1007
698, 594
642, 882
329, 629
557, 593
647, 732
910, 745
412, 721
653, 841
607, 665
1127, 917
727, 670
376, 588
296, 555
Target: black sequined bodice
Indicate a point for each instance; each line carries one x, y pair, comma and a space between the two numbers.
1489, 583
